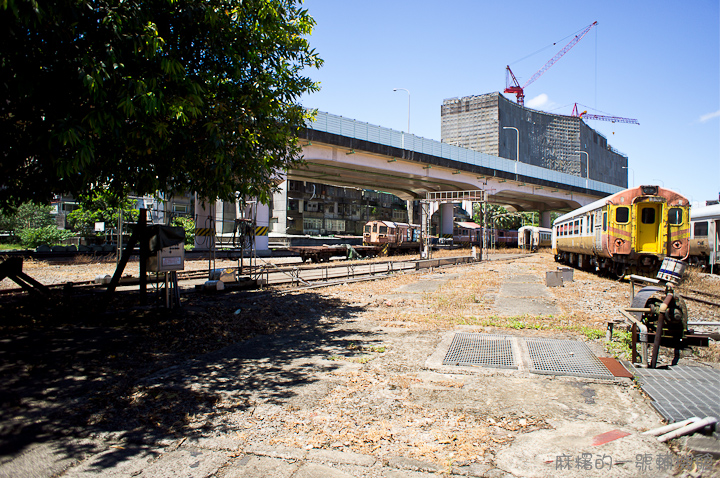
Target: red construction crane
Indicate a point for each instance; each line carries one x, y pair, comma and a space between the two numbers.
518, 90
614, 119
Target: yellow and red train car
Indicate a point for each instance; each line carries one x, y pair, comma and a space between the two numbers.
631, 230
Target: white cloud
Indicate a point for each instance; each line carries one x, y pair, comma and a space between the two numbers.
538, 102
709, 116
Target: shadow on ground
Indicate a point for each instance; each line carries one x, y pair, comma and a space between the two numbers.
142, 374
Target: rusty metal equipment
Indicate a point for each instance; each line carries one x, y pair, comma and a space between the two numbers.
659, 315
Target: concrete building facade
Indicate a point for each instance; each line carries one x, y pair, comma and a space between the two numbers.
303, 207
545, 140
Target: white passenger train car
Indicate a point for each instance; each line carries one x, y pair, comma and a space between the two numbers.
534, 237
705, 237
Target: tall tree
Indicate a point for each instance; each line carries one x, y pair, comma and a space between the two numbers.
153, 95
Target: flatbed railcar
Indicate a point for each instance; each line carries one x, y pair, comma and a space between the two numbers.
534, 237
391, 236
705, 238
631, 230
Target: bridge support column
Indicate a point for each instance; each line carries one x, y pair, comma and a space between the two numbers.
260, 213
545, 219
410, 211
204, 224
446, 216
280, 201
262, 227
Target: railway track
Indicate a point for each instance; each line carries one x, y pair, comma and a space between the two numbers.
274, 275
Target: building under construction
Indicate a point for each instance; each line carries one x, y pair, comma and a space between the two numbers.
545, 140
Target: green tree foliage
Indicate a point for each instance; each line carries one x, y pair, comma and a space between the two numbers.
159, 95
33, 224
504, 219
27, 215
32, 237
188, 224
99, 206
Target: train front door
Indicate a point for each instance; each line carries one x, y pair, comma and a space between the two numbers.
526, 239
715, 251
648, 228
598, 231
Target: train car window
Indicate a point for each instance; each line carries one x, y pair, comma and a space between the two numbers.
375, 227
604, 220
648, 216
700, 229
383, 229
622, 215
368, 229
675, 216
592, 223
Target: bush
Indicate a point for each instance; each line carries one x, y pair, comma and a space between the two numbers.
32, 237
188, 224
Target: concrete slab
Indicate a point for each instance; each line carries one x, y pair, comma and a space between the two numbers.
411, 464
523, 289
567, 451
553, 279
116, 462
260, 467
187, 463
523, 294
312, 470
701, 445
518, 306
340, 457
47, 459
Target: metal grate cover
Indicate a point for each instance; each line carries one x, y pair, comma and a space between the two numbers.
481, 349
680, 392
564, 357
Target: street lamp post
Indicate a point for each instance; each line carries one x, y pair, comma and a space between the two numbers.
587, 168
633, 174
408, 92
517, 147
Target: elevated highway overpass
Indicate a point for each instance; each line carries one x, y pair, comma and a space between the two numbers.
344, 152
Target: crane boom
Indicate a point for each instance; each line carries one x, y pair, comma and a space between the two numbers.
615, 119
559, 54
518, 90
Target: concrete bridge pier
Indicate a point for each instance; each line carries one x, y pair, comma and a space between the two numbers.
545, 219
446, 218
204, 224
215, 218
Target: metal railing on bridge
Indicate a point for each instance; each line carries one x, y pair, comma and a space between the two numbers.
351, 128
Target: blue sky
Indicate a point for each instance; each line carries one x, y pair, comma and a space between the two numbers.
655, 61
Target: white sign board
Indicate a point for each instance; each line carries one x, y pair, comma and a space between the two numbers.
99, 226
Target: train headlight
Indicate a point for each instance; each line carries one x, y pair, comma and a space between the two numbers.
619, 242
677, 244
649, 190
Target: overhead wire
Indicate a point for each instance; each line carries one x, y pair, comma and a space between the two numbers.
548, 46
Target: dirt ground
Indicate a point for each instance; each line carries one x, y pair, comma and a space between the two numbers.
83, 367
